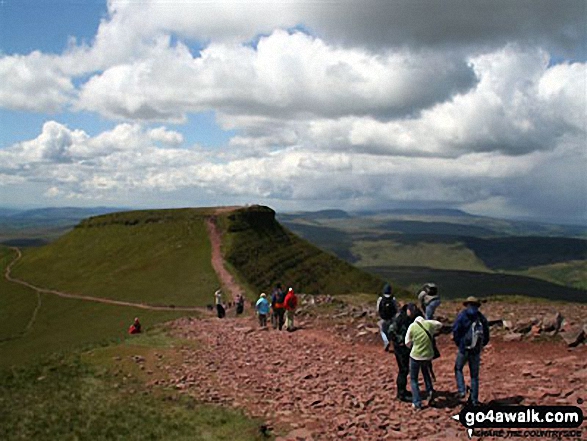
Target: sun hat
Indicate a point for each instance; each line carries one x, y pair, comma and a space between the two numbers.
472, 301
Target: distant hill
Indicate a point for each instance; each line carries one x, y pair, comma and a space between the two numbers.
453, 240
51, 215
314, 215
461, 284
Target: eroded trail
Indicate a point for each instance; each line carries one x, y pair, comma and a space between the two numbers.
326, 388
224, 276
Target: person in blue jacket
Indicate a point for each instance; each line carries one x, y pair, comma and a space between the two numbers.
470, 334
262, 307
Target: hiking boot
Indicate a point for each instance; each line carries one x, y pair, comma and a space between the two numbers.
462, 395
404, 398
386, 348
431, 397
416, 407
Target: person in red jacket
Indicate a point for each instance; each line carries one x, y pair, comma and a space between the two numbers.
135, 328
290, 303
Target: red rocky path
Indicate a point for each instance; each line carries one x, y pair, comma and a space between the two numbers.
313, 384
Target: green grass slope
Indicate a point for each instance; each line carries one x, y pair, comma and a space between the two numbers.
33, 326
157, 256
74, 397
264, 253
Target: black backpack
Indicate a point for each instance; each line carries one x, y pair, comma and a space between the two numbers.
279, 296
387, 308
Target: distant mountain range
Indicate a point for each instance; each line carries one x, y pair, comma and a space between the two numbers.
437, 221
50, 216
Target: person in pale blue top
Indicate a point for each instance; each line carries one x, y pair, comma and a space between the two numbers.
262, 306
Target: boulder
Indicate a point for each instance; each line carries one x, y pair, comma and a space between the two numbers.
513, 336
552, 322
574, 337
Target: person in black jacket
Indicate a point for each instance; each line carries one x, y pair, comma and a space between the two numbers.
470, 334
397, 335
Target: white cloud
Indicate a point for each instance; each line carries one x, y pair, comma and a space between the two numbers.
287, 75
34, 83
377, 101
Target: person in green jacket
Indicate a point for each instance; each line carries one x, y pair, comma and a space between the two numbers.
419, 338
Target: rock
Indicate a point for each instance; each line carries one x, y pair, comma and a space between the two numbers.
574, 337
523, 327
514, 336
552, 323
299, 435
244, 330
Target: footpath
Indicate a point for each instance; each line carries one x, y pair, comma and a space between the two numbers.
313, 384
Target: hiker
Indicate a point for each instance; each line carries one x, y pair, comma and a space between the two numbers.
135, 328
397, 334
419, 339
219, 306
471, 334
278, 307
429, 299
387, 308
240, 304
290, 304
262, 307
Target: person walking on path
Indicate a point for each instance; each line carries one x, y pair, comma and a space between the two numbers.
262, 306
290, 304
429, 299
470, 334
240, 304
419, 337
397, 335
278, 307
386, 308
220, 311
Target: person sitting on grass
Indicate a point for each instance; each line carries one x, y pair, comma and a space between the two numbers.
135, 328
262, 307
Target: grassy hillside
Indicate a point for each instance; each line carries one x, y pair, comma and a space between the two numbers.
265, 253
454, 255
91, 396
32, 326
572, 273
158, 257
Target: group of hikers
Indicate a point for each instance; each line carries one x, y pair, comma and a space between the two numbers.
280, 307
412, 329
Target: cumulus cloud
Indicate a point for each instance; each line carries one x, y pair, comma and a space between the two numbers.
350, 102
292, 75
34, 82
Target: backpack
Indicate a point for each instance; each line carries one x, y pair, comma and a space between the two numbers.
387, 308
279, 296
474, 335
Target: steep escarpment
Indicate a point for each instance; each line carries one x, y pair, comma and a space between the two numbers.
263, 252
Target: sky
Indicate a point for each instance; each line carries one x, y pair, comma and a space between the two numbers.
299, 105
